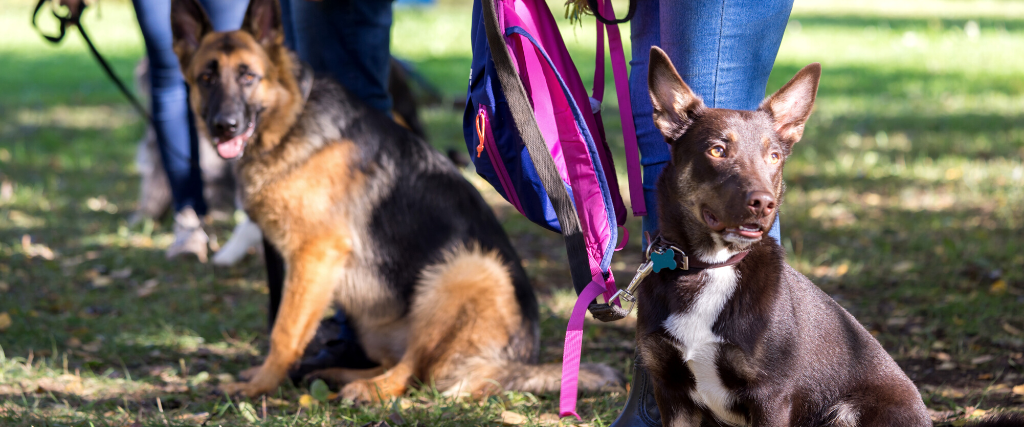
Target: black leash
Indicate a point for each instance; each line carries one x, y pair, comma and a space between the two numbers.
73, 18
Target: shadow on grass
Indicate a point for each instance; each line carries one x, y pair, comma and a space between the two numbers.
833, 22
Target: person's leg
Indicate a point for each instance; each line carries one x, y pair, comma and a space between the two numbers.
725, 50
349, 40
654, 154
176, 137
640, 408
172, 118
288, 23
225, 15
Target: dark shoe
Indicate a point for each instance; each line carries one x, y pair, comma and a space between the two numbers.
334, 346
641, 410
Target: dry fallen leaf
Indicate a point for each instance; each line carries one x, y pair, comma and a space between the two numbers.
896, 321
902, 267
510, 418
4, 287
1019, 389
93, 346
5, 321
73, 342
548, 419
951, 393
36, 250
101, 281
123, 273
998, 287
982, 359
1011, 329
147, 289
6, 190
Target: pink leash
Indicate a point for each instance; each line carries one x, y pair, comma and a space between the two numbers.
573, 348
636, 190
574, 330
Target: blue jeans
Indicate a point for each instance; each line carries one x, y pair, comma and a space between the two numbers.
349, 40
172, 118
723, 50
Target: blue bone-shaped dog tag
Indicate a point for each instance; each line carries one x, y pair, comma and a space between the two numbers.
666, 259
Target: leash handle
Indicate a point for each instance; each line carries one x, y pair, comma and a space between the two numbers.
595, 9
74, 18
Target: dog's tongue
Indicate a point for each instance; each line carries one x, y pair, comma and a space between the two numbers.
231, 148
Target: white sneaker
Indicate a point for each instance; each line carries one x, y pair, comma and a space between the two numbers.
189, 237
246, 235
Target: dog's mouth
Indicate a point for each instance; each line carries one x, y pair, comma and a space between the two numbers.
752, 230
232, 148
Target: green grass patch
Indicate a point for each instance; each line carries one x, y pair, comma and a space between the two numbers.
904, 203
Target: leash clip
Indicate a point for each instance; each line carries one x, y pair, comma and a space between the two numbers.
627, 294
645, 269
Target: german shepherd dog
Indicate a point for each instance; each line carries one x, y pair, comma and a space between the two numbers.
366, 216
747, 340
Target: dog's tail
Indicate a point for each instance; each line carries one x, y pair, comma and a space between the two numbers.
1003, 419
547, 378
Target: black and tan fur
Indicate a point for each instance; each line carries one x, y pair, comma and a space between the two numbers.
756, 343
367, 217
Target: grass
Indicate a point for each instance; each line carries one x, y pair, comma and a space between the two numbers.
904, 204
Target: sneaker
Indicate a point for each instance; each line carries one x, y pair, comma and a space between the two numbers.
189, 237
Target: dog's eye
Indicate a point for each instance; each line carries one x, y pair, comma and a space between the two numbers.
247, 79
717, 151
206, 78
775, 158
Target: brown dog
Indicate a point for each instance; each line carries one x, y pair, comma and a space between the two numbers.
366, 216
739, 337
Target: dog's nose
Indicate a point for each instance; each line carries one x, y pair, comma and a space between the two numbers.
225, 126
761, 203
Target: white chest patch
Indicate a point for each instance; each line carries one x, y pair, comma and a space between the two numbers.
699, 345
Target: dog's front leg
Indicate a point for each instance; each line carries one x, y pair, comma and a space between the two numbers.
308, 290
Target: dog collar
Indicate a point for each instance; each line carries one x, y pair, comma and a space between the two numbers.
661, 255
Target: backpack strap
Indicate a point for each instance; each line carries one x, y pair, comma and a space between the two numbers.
526, 124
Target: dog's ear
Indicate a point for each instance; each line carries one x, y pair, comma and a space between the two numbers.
791, 106
189, 24
263, 21
675, 105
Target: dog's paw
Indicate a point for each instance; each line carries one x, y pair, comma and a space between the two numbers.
361, 392
260, 382
249, 374
239, 388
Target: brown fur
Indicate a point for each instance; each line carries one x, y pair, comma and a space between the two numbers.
336, 200
754, 343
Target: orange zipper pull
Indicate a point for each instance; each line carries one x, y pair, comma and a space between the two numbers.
481, 124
